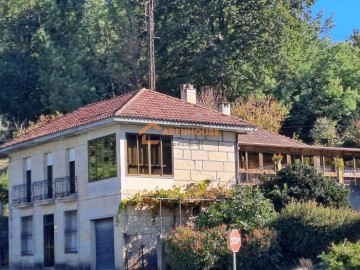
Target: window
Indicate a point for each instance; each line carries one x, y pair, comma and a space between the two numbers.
348, 162
70, 232
242, 160
26, 236
102, 158
150, 155
49, 172
72, 176
268, 160
28, 179
309, 160
253, 160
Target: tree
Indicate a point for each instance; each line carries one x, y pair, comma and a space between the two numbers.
266, 112
324, 132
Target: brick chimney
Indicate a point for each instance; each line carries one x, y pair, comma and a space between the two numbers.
225, 108
188, 93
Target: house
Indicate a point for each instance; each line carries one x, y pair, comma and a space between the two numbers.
256, 151
68, 177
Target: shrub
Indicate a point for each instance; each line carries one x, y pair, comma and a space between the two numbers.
303, 183
260, 250
246, 210
345, 256
307, 229
186, 248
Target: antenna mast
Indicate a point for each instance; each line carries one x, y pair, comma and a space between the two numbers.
149, 13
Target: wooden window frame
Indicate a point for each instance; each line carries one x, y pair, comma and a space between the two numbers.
148, 147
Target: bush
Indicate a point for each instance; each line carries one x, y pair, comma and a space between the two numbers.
186, 248
246, 210
345, 256
307, 229
260, 250
303, 183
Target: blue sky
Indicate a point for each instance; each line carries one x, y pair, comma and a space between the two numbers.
346, 16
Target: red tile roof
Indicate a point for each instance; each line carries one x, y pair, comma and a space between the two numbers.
84, 115
154, 105
141, 104
264, 137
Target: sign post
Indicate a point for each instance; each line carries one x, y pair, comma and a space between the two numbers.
235, 244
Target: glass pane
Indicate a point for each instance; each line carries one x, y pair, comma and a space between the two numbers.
167, 155
155, 154
92, 160
309, 160
99, 158
131, 140
348, 162
267, 159
357, 162
143, 157
242, 160
102, 158
253, 160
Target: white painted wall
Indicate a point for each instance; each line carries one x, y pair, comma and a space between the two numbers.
201, 158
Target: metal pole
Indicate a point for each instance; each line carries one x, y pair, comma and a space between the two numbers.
180, 211
160, 240
234, 260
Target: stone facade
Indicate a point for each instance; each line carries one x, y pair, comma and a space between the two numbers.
194, 158
205, 157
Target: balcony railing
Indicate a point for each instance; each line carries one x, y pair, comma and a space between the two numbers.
21, 194
43, 190
65, 187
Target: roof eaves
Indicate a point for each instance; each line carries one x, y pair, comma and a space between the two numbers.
166, 122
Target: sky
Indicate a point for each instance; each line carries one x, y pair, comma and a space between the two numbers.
346, 16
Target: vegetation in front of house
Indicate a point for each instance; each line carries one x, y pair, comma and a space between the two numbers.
247, 209
194, 194
306, 229
302, 231
301, 182
343, 256
188, 248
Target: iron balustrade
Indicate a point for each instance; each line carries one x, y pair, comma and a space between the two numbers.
65, 187
20, 194
42, 190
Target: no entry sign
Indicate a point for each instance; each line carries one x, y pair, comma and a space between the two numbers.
235, 240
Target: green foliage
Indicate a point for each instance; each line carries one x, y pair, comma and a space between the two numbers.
246, 209
260, 250
4, 190
186, 248
184, 194
307, 229
301, 182
324, 132
344, 256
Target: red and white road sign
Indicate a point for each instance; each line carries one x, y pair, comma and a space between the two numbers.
235, 240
